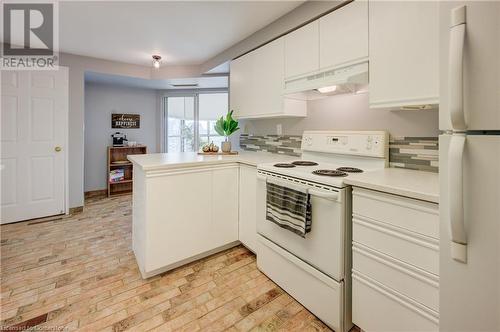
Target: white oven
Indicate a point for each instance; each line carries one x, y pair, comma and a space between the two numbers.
316, 269
311, 269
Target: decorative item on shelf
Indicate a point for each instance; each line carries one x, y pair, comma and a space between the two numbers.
120, 162
226, 127
119, 139
116, 175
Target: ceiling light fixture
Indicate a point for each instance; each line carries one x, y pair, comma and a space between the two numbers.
156, 61
328, 89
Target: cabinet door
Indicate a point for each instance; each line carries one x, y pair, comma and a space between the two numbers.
403, 45
241, 85
257, 82
343, 35
224, 201
248, 205
302, 50
268, 78
481, 64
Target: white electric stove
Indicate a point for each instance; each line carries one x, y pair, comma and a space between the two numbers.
315, 269
330, 156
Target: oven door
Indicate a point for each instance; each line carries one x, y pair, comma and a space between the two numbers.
323, 246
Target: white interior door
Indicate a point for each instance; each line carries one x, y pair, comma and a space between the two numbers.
34, 124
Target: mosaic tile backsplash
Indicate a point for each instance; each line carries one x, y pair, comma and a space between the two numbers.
419, 153
286, 144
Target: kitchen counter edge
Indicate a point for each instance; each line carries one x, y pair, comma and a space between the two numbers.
159, 161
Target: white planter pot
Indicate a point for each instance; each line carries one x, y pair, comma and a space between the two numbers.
226, 146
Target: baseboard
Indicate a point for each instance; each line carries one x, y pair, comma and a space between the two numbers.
76, 209
96, 193
149, 274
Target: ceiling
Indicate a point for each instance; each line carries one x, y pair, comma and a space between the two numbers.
182, 32
208, 82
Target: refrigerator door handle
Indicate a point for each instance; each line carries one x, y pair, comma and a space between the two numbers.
455, 69
456, 198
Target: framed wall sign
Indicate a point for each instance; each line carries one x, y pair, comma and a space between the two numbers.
126, 121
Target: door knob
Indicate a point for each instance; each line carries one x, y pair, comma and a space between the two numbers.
57, 148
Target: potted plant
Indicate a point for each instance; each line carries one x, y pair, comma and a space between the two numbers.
225, 127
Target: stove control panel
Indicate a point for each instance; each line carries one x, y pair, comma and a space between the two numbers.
362, 143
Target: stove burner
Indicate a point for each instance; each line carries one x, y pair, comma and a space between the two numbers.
304, 163
284, 165
329, 172
350, 169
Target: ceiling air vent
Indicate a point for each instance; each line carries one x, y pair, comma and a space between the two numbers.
191, 85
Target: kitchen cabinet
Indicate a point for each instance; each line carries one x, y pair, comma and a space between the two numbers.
343, 36
302, 50
224, 201
404, 54
183, 214
257, 85
395, 252
248, 206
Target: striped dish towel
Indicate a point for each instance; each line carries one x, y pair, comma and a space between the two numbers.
289, 207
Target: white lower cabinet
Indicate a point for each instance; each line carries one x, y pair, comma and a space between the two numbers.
395, 273
184, 214
225, 187
248, 206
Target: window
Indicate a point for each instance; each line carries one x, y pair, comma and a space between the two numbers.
211, 107
189, 120
180, 124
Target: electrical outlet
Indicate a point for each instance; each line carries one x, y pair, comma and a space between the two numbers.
279, 129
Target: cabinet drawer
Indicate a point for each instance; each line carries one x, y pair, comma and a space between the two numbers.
377, 308
404, 278
414, 215
409, 247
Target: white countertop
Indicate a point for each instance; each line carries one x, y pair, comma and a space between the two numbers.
398, 181
155, 161
404, 182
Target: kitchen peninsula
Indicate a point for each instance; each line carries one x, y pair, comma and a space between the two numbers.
186, 206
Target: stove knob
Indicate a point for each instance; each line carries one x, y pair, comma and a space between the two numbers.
308, 140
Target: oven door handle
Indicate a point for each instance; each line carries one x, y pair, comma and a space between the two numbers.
333, 196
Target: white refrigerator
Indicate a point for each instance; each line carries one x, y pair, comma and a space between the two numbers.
469, 152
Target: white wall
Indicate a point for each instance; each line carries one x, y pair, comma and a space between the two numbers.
350, 112
100, 101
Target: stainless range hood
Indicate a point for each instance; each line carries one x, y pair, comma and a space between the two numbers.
348, 79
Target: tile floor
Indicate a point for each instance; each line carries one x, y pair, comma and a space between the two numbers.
79, 273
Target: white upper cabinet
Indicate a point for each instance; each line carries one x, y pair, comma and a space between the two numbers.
257, 84
343, 36
404, 53
302, 50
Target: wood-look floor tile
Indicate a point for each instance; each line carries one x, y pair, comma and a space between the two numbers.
78, 272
